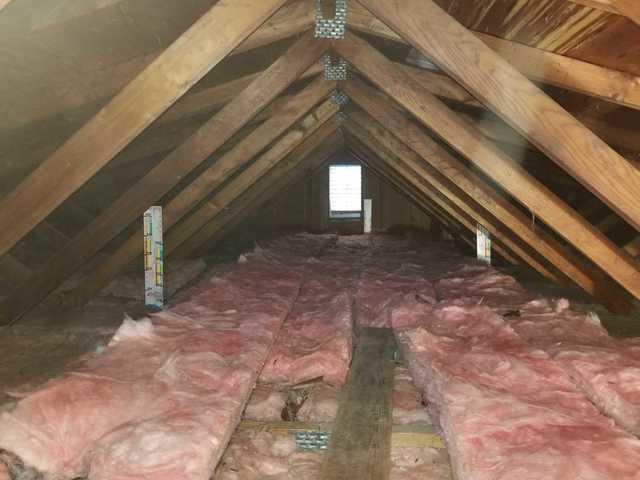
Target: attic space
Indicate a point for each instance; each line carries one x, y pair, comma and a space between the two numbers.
320, 239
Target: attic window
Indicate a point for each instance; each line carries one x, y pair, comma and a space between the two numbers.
345, 191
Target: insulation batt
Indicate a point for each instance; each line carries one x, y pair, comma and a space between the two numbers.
261, 455
607, 369
407, 400
506, 409
317, 338
321, 405
265, 405
164, 397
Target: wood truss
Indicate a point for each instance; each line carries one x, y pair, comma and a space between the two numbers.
222, 151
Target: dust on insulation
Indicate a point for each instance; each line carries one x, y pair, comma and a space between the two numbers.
218, 384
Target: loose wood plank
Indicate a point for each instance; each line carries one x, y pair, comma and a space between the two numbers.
185, 62
402, 129
211, 136
469, 142
360, 443
519, 102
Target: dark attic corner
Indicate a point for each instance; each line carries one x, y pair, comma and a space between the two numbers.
320, 239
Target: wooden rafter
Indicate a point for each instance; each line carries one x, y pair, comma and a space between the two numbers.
276, 182
408, 164
213, 36
406, 131
469, 142
211, 136
626, 8
539, 65
283, 147
185, 248
426, 196
290, 21
482, 203
223, 168
209, 209
520, 103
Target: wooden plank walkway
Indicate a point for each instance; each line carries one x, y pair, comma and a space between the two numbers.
361, 439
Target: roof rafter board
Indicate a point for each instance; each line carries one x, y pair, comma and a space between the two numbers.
186, 248
397, 182
408, 164
279, 151
288, 21
498, 85
207, 210
276, 182
165, 80
626, 8
403, 129
427, 196
469, 142
539, 65
385, 173
235, 159
164, 176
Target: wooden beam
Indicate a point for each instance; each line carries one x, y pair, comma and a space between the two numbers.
294, 137
425, 195
360, 444
187, 247
626, 8
410, 166
211, 178
211, 136
213, 36
205, 211
396, 124
524, 106
469, 142
277, 181
289, 21
539, 65
13, 270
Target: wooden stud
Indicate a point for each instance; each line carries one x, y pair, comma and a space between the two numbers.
403, 129
212, 37
539, 65
469, 142
211, 136
524, 106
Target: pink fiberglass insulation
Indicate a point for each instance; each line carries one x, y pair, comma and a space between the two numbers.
162, 400
506, 409
407, 400
606, 368
419, 463
383, 285
316, 340
265, 404
321, 404
261, 455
